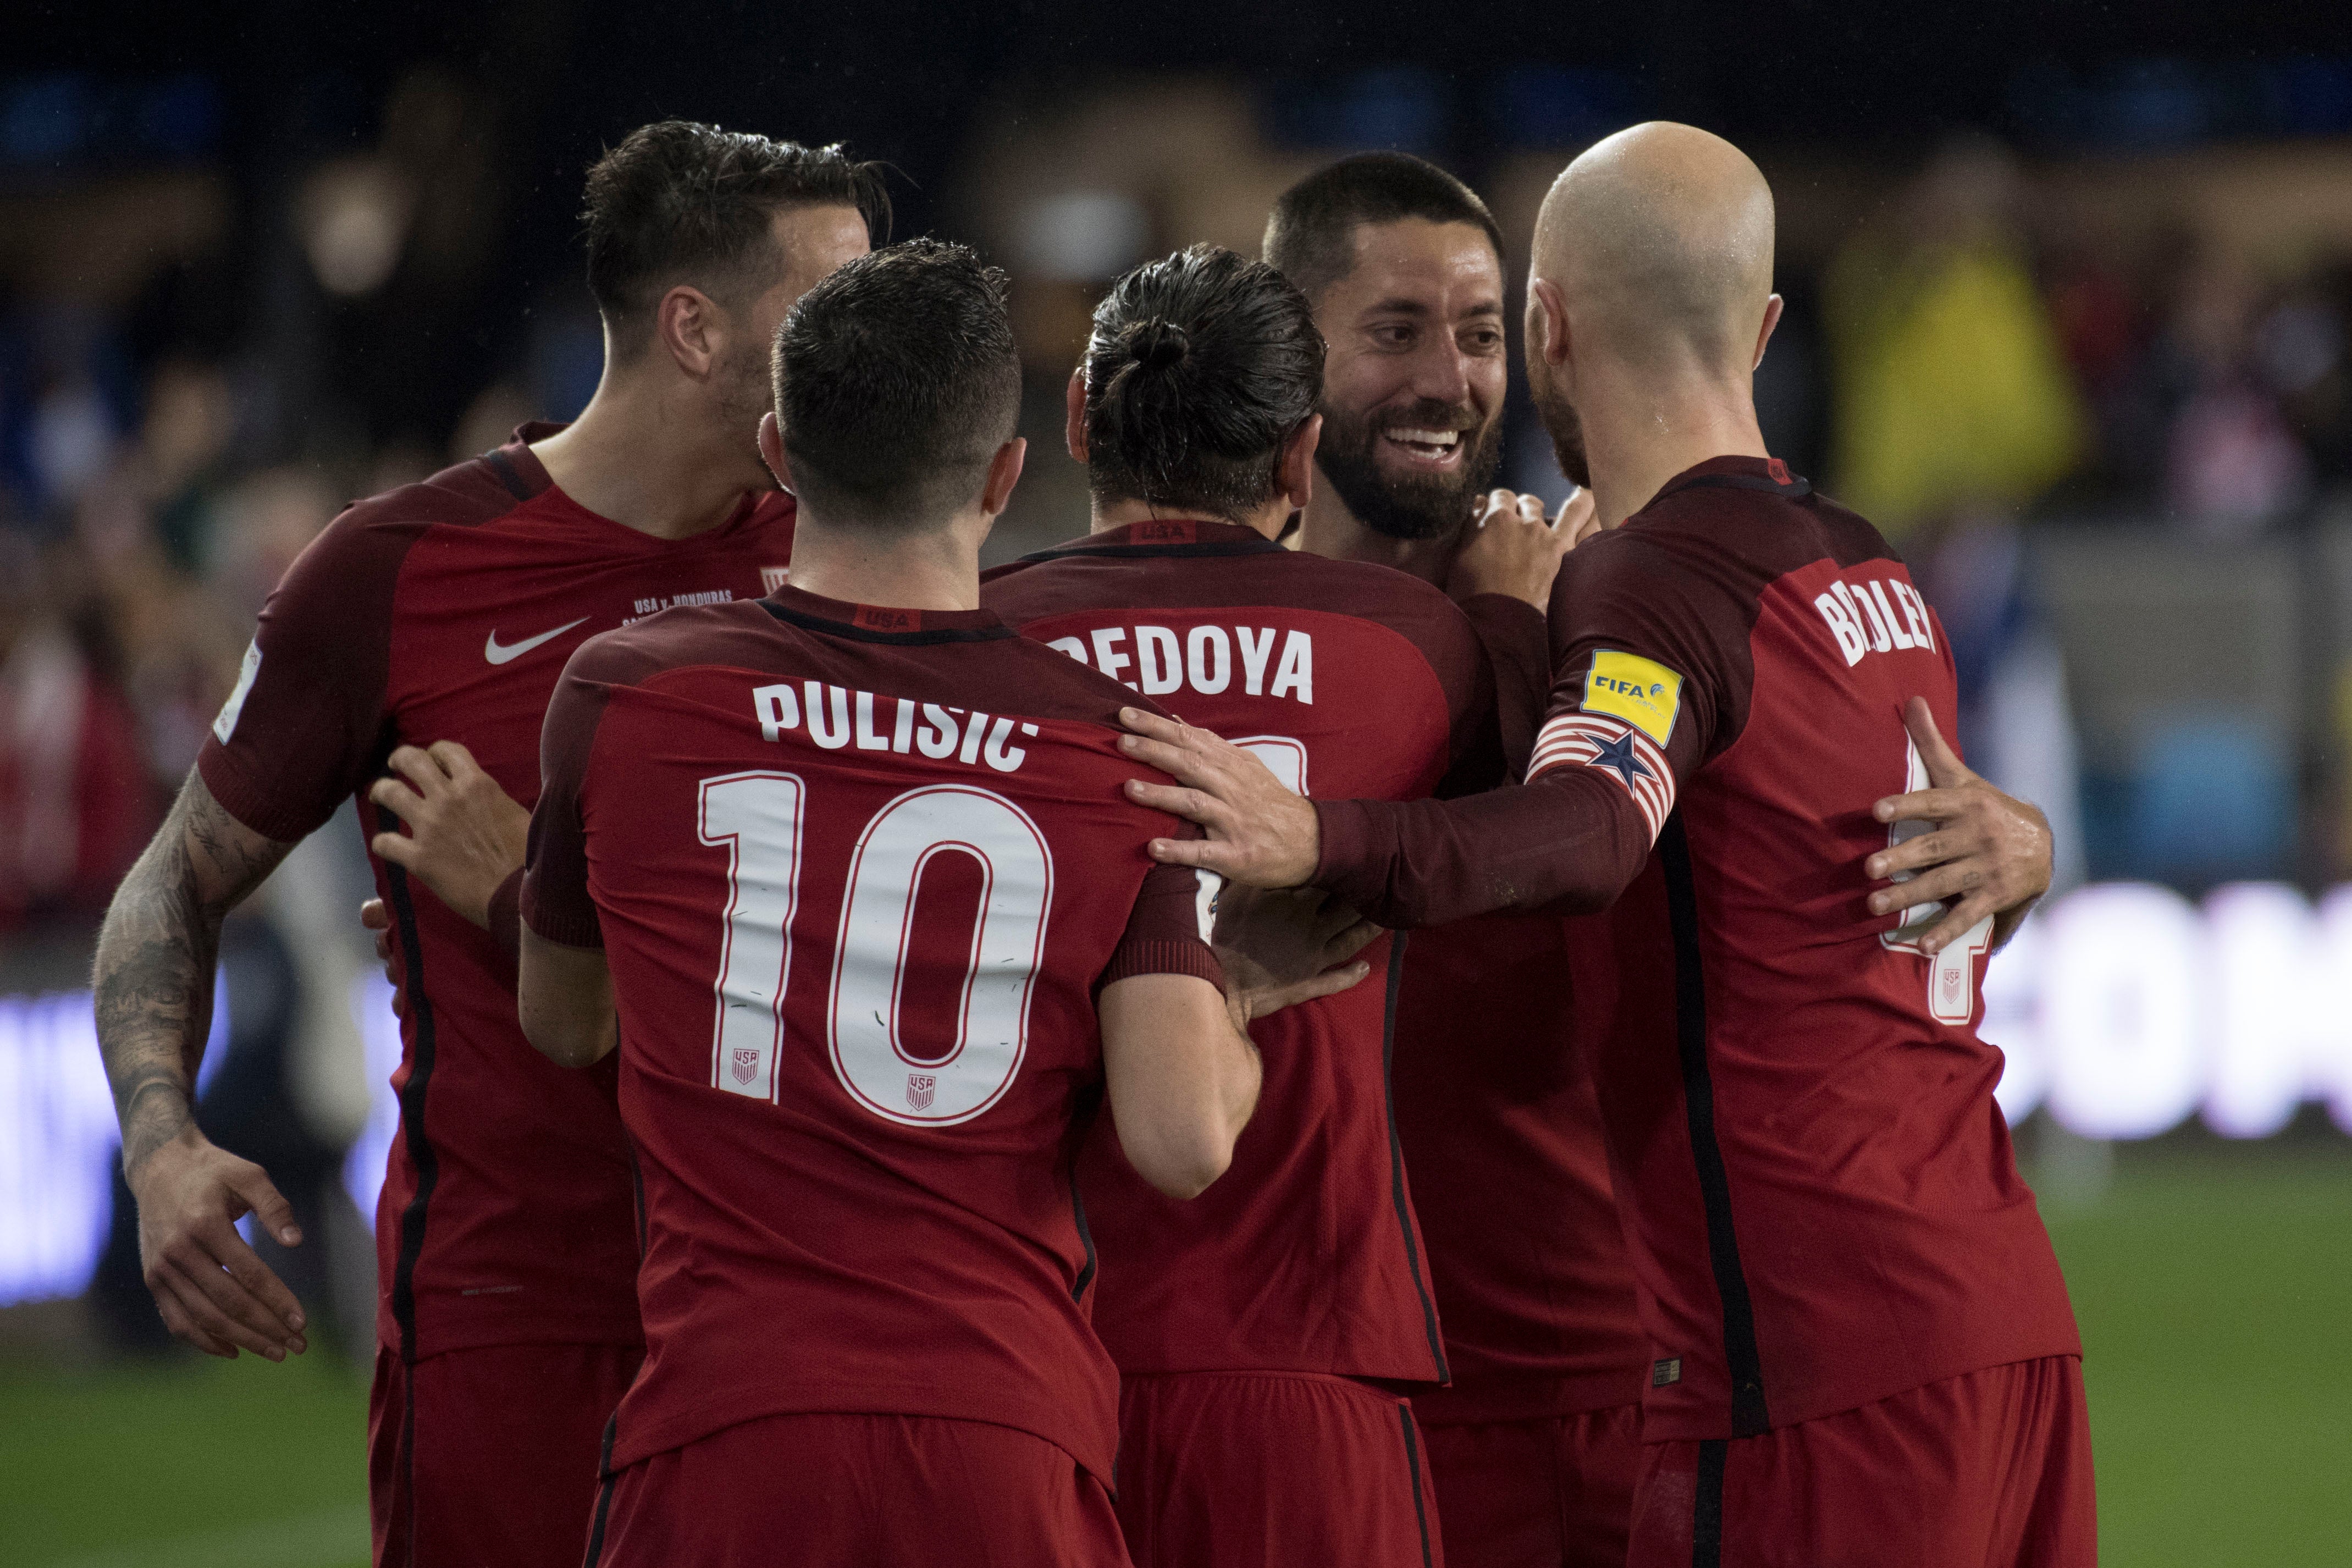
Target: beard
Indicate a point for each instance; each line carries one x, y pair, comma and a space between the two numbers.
1564, 426
1417, 506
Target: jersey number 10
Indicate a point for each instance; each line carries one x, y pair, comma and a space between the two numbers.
757, 816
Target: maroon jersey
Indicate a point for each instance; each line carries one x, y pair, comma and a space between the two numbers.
858, 873
1348, 680
1495, 1109
444, 611
1817, 1186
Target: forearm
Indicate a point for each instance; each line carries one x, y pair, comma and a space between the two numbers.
1568, 842
152, 987
1182, 1079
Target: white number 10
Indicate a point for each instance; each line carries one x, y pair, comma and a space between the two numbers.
758, 816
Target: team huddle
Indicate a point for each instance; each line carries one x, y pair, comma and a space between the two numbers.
1336, 1018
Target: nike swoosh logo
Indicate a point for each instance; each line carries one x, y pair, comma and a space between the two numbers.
497, 654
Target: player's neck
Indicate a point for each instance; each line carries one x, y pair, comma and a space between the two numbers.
938, 569
1637, 436
1268, 522
1331, 530
650, 458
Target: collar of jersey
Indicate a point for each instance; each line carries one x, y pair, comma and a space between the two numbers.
1769, 474
839, 618
1207, 536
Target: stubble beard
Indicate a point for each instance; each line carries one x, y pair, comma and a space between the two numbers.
1416, 507
1566, 428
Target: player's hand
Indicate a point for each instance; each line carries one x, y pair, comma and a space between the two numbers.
1988, 851
1514, 548
1260, 833
213, 1290
1282, 947
466, 835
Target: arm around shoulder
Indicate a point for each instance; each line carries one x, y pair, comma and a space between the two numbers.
1182, 1079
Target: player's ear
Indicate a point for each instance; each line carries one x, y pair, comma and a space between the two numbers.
1003, 473
1771, 320
686, 323
1294, 474
772, 451
1073, 433
1546, 332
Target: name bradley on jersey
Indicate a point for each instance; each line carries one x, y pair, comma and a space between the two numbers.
1202, 662
836, 716
1863, 619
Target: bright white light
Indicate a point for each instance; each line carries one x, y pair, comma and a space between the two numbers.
2120, 1010
379, 1032
59, 1142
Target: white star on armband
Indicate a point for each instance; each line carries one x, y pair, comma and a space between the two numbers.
1616, 749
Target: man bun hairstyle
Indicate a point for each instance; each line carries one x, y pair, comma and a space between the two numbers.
1311, 234
1200, 366
678, 202
896, 383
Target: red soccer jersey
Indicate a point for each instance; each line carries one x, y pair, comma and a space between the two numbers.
1495, 1109
855, 925
444, 611
1818, 1188
1348, 680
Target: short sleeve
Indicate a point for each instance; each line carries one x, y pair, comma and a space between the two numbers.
555, 902
1652, 671
305, 725
1168, 929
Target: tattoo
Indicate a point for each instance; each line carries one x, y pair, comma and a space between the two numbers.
156, 954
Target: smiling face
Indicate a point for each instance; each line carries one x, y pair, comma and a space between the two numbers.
1412, 387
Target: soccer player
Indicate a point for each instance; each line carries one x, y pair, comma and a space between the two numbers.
1534, 1447
848, 875
425, 626
1250, 1326
1862, 1345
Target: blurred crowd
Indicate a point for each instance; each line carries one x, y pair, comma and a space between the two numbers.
1979, 353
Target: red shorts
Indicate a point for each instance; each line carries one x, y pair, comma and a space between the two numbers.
1989, 1468
1556, 1492
875, 1491
489, 1456
1227, 1470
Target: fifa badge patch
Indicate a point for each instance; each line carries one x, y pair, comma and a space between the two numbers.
1663, 1373
1642, 691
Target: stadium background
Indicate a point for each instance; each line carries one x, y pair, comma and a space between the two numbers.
2070, 313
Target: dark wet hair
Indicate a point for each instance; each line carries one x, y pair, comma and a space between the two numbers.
678, 202
1200, 366
895, 382
1312, 233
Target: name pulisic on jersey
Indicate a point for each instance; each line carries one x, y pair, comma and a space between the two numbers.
834, 717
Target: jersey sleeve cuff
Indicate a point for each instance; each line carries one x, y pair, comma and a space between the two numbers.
272, 819
506, 914
1163, 956
1351, 862
566, 927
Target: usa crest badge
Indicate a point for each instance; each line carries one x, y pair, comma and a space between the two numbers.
921, 1089
747, 1063
774, 577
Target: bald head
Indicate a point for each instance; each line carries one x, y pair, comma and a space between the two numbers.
1660, 242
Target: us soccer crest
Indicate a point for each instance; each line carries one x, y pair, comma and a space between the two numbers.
920, 1088
774, 577
747, 1063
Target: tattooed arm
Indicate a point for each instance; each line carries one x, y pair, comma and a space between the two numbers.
156, 956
